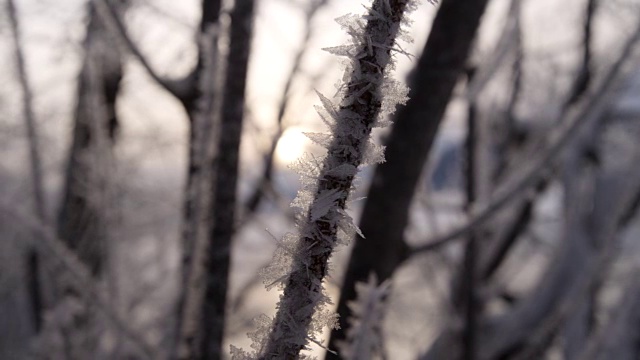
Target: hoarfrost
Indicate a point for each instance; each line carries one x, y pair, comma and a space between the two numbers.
364, 336
275, 274
321, 139
324, 202
343, 50
374, 154
393, 93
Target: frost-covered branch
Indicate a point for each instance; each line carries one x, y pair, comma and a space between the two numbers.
367, 95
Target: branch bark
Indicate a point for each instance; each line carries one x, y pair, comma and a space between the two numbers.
226, 174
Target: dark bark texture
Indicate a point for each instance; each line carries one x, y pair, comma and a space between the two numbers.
225, 186
394, 182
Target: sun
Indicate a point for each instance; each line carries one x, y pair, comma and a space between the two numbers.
291, 145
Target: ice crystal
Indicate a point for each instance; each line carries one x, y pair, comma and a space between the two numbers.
324, 202
364, 336
321, 139
275, 274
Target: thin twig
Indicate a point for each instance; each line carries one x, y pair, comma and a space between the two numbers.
255, 199
109, 15
29, 118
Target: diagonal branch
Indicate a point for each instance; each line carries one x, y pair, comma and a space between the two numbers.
108, 13
48, 244
596, 268
593, 106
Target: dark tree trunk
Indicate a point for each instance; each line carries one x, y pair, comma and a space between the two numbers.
210, 218
467, 289
442, 61
210, 15
224, 188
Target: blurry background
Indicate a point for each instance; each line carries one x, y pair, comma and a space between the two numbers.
530, 184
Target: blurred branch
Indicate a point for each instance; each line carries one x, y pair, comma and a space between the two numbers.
48, 244
225, 165
593, 105
157, 9
29, 118
33, 139
528, 329
263, 185
464, 295
618, 338
584, 73
508, 38
109, 14
579, 161
589, 278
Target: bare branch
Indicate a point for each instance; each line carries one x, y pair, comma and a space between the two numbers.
618, 338
595, 269
110, 16
255, 199
507, 40
592, 107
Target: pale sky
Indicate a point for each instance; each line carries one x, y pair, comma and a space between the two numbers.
53, 30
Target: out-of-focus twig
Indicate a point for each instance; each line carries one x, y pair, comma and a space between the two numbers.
264, 182
35, 162
594, 103
49, 245
109, 15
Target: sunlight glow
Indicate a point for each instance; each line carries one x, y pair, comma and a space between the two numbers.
291, 145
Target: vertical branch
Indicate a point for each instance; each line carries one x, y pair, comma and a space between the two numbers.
207, 52
215, 154
33, 263
200, 104
580, 324
204, 124
225, 169
514, 135
581, 84
468, 283
254, 199
29, 118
